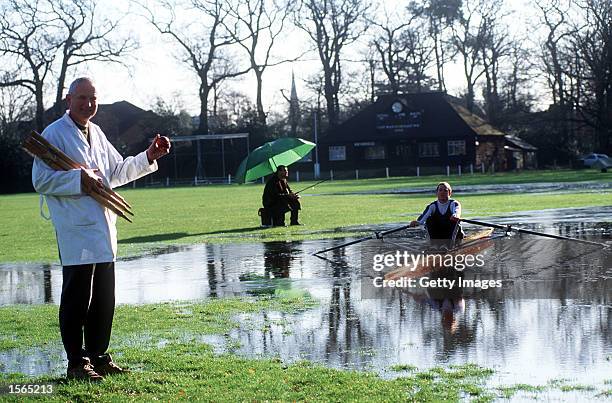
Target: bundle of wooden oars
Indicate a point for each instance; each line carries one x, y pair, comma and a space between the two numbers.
37, 146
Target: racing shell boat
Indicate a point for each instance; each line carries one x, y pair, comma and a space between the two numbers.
470, 245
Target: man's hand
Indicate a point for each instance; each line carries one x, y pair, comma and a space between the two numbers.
91, 180
294, 196
158, 148
455, 219
414, 223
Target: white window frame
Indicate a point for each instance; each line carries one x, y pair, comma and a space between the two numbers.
456, 147
337, 153
373, 150
431, 149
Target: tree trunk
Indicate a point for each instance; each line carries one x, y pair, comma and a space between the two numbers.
40, 108
261, 114
59, 95
203, 125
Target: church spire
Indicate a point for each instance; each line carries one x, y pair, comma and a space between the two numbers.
294, 108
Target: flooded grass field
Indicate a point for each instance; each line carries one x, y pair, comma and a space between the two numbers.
550, 322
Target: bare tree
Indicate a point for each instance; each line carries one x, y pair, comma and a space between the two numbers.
391, 51
82, 38
203, 49
440, 15
405, 54
15, 106
554, 14
495, 49
25, 46
589, 61
34, 36
468, 39
256, 27
519, 72
420, 58
331, 25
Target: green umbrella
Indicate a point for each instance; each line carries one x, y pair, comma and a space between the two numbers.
265, 159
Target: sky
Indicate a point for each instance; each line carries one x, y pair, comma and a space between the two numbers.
155, 71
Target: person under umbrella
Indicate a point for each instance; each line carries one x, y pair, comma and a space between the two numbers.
278, 198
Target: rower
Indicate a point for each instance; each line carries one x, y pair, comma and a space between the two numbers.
441, 217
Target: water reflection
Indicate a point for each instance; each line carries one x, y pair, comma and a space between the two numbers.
551, 319
278, 257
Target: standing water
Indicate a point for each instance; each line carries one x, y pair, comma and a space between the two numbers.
550, 319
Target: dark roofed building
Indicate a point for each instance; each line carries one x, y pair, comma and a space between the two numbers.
409, 130
126, 126
519, 153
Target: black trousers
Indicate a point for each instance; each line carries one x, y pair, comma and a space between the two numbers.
278, 210
86, 309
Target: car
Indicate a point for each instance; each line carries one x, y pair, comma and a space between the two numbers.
590, 159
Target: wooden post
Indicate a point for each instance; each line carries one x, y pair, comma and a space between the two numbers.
418, 171
356, 173
471, 169
459, 169
387, 170
331, 174
447, 170
297, 176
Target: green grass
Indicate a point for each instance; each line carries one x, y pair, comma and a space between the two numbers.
403, 367
170, 216
161, 344
540, 176
509, 391
156, 321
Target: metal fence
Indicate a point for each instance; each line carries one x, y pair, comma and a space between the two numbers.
308, 175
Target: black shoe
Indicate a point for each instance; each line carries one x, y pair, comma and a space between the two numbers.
83, 371
104, 365
296, 223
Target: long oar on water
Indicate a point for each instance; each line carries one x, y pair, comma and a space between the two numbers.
508, 228
376, 235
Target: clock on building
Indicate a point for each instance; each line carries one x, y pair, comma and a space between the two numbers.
397, 107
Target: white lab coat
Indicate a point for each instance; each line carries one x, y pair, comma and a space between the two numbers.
85, 230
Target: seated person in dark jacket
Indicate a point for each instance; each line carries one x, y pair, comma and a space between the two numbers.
278, 198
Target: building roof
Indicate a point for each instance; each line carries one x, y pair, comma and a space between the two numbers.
519, 143
420, 115
478, 124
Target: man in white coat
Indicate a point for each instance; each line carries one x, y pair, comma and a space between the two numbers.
85, 230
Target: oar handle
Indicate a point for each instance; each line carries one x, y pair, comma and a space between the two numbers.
391, 231
526, 231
